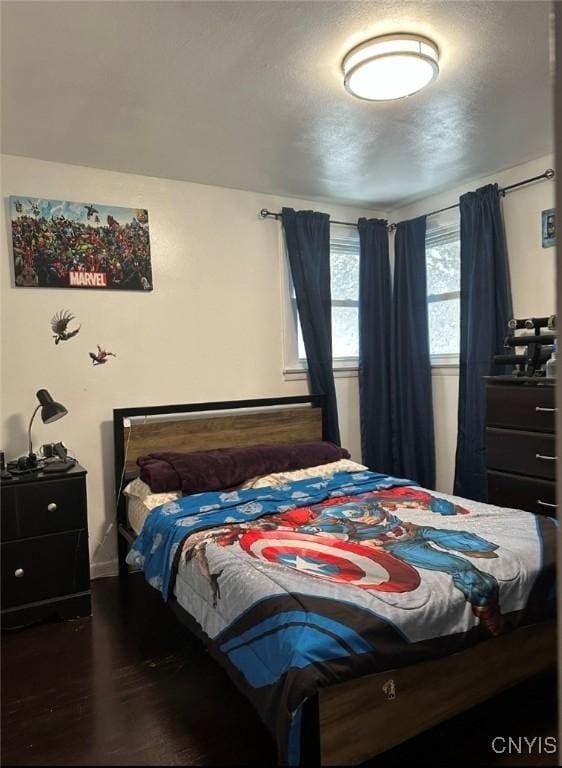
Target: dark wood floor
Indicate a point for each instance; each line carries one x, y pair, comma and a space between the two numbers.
130, 687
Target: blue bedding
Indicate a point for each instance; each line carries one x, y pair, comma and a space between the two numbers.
321, 580
170, 524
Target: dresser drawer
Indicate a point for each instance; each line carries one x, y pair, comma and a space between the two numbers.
39, 508
44, 567
521, 407
522, 453
519, 492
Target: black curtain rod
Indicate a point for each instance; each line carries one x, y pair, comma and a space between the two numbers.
548, 174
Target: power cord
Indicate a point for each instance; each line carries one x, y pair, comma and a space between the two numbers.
111, 525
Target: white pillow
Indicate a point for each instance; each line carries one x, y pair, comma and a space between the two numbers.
139, 490
322, 470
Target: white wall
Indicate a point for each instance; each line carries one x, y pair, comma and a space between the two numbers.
533, 277
210, 330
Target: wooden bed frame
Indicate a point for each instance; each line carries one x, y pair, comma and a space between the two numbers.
204, 427
347, 723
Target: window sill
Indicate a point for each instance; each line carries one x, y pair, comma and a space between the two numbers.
352, 372
445, 365
299, 373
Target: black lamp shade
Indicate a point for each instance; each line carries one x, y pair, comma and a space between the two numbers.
50, 409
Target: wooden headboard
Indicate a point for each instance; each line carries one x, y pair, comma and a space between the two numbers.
206, 426
230, 430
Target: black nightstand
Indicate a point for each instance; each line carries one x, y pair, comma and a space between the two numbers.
45, 559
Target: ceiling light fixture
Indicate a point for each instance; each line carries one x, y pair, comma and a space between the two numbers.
390, 67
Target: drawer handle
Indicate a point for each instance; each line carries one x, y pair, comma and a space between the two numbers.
52, 506
18, 573
546, 504
540, 409
546, 458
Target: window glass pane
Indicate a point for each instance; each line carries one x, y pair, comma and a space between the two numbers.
345, 331
345, 275
443, 267
302, 353
444, 327
344, 264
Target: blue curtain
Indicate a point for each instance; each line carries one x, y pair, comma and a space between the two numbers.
307, 235
485, 310
374, 345
412, 406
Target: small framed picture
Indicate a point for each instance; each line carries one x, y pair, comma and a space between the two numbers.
549, 228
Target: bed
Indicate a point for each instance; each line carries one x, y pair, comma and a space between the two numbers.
391, 682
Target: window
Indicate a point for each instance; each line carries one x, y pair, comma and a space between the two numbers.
344, 265
442, 244
443, 289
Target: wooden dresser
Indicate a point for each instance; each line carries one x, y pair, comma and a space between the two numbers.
521, 443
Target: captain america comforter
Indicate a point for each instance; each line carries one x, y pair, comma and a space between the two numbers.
321, 580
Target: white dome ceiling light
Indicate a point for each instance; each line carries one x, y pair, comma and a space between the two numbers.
390, 67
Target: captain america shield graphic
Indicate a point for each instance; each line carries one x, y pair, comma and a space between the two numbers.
329, 558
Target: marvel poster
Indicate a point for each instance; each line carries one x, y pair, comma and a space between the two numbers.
57, 244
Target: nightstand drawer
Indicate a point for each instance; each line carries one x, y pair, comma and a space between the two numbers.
44, 567
40, 508
522, 453
521, 407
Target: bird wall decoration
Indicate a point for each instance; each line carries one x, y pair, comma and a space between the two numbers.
59, 325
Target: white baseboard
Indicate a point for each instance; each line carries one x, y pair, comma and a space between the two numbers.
100, 570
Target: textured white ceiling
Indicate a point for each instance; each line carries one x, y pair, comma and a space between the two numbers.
250, 95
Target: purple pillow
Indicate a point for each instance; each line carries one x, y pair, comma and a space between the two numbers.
227, 467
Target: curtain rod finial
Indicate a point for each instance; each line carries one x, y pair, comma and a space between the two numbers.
550, 173
264, 213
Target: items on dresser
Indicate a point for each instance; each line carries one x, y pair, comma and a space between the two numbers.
4, 474
58, 460
50, 411
538, 335
551, 363
45, 559
521, 443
